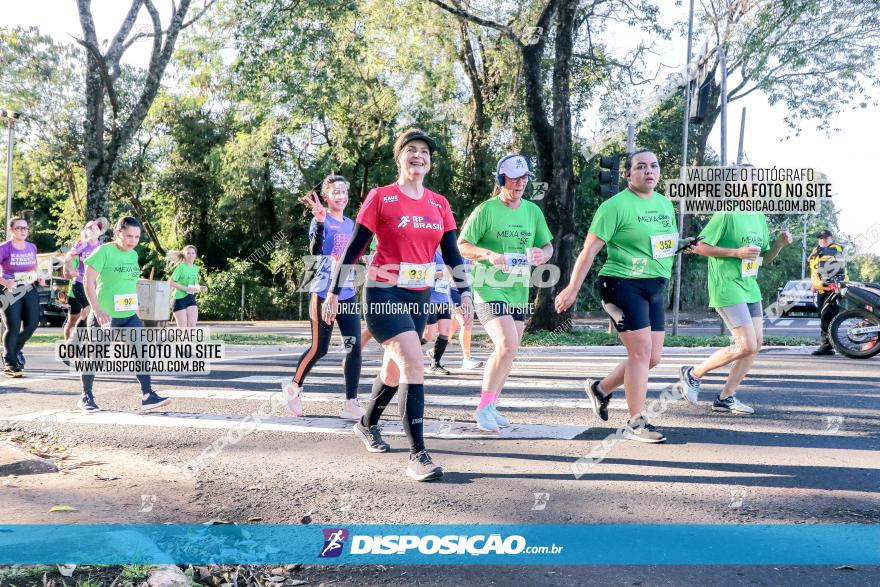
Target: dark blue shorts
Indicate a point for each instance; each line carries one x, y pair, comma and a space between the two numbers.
185, 302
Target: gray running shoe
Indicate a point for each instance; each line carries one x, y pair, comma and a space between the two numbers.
422, 468
598, 402
688, 385
732, 405
371, 437
641, 431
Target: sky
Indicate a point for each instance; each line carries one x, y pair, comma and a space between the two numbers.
839, 154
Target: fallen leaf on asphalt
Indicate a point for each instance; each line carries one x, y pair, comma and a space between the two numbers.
217, 522
306, 519
61, 448
254, 488
296, 582
845, 568
255, 519
106, 477
66, 570
62, 508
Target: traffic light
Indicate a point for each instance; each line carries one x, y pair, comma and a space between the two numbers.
609, 175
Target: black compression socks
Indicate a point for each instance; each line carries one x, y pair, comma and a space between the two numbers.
379, 399
412, 414
440, 348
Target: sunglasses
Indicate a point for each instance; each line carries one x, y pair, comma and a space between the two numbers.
20, 227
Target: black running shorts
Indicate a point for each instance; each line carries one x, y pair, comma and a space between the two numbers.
390, 311
634, 304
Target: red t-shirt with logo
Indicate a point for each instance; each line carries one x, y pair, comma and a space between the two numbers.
407, 230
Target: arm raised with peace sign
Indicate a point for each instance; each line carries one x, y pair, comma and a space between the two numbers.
313, 201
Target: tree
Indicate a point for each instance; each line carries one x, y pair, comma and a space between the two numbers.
557, 26
814, 56
109, 133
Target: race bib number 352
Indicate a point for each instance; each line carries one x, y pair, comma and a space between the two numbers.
125, 302
664, 245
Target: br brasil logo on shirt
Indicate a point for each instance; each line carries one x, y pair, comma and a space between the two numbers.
654, 217
419, 222
334, 541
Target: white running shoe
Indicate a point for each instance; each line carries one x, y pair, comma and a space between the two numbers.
485, 420
471, 364
731, 404
293, 396
499, 419
352, 410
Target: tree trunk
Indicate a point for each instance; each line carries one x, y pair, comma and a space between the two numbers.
560, 211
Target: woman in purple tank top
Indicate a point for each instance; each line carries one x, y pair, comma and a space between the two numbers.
88, 243
19, 298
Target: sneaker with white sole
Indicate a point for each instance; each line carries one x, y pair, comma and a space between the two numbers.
152, 400
688, 385
499, 419
430, 354
438, 369
641, 431
293, 398
422, 468
471, 364
731, 404
87, 404
371, 437
352, 410
598, 402
486, 420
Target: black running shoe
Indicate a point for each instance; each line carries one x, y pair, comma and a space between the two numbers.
371, 437
87, 404
152, 400
422, 468
598, 402
823, 351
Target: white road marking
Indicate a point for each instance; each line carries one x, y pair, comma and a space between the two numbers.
784, 323
470, 401
451, 381
433, 429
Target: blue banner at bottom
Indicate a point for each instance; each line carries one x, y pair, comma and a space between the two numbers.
758, 544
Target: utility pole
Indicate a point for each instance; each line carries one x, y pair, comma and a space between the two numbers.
740, 154
676, 292
10, 116
722, 63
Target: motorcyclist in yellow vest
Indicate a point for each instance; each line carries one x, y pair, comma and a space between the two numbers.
827, 267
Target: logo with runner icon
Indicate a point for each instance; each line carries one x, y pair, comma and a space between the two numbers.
334, 541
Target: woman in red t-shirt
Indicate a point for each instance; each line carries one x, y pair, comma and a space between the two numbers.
409, 222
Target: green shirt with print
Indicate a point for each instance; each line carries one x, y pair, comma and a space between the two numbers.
640, 235
118, 273
732, 280
510, 231
184, 275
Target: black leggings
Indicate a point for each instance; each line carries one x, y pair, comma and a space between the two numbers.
349, 321
21, 319
88, 379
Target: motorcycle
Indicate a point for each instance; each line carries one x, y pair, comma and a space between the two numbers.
855, 332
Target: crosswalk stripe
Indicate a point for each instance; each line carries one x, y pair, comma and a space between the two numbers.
433, 429
556, 383
784, 323
469, 401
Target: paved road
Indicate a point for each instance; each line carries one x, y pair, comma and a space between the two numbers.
808, 455
804, 327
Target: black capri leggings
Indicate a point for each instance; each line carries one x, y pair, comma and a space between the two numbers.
349, 321
21, 319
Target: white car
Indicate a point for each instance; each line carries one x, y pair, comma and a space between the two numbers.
797, 296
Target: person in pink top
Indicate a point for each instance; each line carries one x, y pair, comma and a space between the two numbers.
20, 300
409, 222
